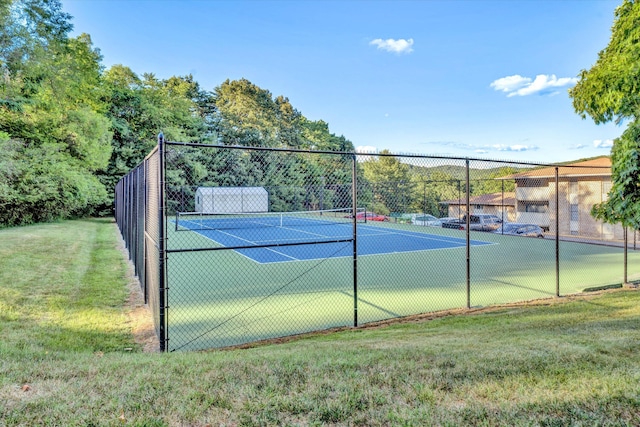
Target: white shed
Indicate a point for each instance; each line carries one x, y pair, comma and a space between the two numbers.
232, 199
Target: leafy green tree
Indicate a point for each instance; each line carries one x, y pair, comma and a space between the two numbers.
489, 184
27, 26
333, 174
247, 115
54, 133
390, 182
610, 90
139, 108
430, 188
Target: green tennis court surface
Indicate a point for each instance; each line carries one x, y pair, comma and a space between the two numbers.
223, 298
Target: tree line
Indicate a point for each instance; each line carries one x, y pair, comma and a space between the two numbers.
70, 128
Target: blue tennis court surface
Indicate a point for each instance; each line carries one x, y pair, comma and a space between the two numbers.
371, 240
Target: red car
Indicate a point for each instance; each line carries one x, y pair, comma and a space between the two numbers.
370, 216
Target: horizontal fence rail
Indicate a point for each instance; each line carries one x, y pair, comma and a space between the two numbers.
239, 244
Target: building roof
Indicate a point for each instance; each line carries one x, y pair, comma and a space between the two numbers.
493, 199
231, 190
600, 166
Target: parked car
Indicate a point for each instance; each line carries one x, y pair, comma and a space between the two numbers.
369, 216
426, 219
477, 222
448, 219
519, 229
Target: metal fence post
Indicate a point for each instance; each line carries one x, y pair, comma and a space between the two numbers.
468, 216
626, 243
557, 235
502, 207
161, 247
354, 191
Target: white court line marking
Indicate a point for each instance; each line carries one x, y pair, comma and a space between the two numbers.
427, 237
253, 243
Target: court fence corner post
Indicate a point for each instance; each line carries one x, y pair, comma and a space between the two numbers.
354, 203
468, 226
161, 247
557, 234
626, 253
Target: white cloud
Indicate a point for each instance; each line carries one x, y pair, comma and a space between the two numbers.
485, 149
598, 143
517, 85
369, 149
395, 46
515, 147
510, 83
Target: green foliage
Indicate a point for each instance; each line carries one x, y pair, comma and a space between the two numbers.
140, 108
247, 115
432, 187
490, 184
390, 182
27, 25
43, 184
64, 121
55, 136
623, 204
70, 129
610, 90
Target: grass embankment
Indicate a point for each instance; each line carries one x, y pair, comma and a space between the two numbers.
67, 357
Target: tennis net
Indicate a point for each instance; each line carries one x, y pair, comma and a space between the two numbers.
189, 221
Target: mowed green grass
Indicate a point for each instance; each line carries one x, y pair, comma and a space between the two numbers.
67, 357
61, 288
222, 298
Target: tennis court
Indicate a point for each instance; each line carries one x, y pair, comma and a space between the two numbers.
240, 278
218, 280
325, 233
230, 296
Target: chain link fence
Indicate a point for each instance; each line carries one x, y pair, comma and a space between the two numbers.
240, 244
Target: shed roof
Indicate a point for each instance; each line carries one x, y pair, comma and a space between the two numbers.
231, 190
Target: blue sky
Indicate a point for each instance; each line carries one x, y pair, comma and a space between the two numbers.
475, 78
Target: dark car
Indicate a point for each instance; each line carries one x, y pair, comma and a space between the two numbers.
518, 229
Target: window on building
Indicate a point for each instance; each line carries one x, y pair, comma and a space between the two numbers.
532, 182
575, 213
533, 207
574, 224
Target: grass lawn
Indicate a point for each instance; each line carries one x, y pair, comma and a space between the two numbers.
68, 357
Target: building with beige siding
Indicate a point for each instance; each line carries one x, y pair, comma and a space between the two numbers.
579, 186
